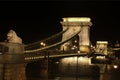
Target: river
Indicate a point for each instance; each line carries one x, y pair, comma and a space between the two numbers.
77, 70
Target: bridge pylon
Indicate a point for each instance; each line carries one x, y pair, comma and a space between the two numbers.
12, 66
75, 24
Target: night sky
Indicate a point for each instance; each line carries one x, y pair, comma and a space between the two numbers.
33, 21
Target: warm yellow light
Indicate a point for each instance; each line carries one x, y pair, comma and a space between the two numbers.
80, 19
81, 58
102, 42
73, 60
43, 44
115, 66
100, 57
78, 51
84, 49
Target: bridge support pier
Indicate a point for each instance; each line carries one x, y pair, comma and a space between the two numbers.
12, 72
12, 66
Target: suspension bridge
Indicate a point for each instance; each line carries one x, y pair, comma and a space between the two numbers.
14, 55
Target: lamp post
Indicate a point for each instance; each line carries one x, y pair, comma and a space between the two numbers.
42, 44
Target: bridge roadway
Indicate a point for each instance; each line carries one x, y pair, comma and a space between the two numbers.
52, 54
23, 58
29, 57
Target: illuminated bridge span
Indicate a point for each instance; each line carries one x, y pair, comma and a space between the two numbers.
15, 55
53, 45
42, 42
71, 28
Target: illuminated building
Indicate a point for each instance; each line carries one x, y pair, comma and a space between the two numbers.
77, 24
101, 47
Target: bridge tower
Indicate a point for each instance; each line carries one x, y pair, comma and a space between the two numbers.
101, 47
75, 24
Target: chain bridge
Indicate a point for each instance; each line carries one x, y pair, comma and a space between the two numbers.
14, 55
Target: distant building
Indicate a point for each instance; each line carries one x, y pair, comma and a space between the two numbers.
117, 44
101, 47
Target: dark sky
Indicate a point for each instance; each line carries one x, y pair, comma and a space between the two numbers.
35, 20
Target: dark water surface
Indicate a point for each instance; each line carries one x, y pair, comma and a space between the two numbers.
70, 71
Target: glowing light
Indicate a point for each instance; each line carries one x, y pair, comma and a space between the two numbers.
115, 66
78, 51
85, 49
43, 44
57, 62
80, 19
1, 53
100, 57
73, 60
102, 42
72, 48
75, 41
81, 58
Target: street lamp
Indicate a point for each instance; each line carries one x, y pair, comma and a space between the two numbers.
42, 44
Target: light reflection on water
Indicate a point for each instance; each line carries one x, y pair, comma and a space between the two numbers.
102, 77
71, 78
110, 73
113, 75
